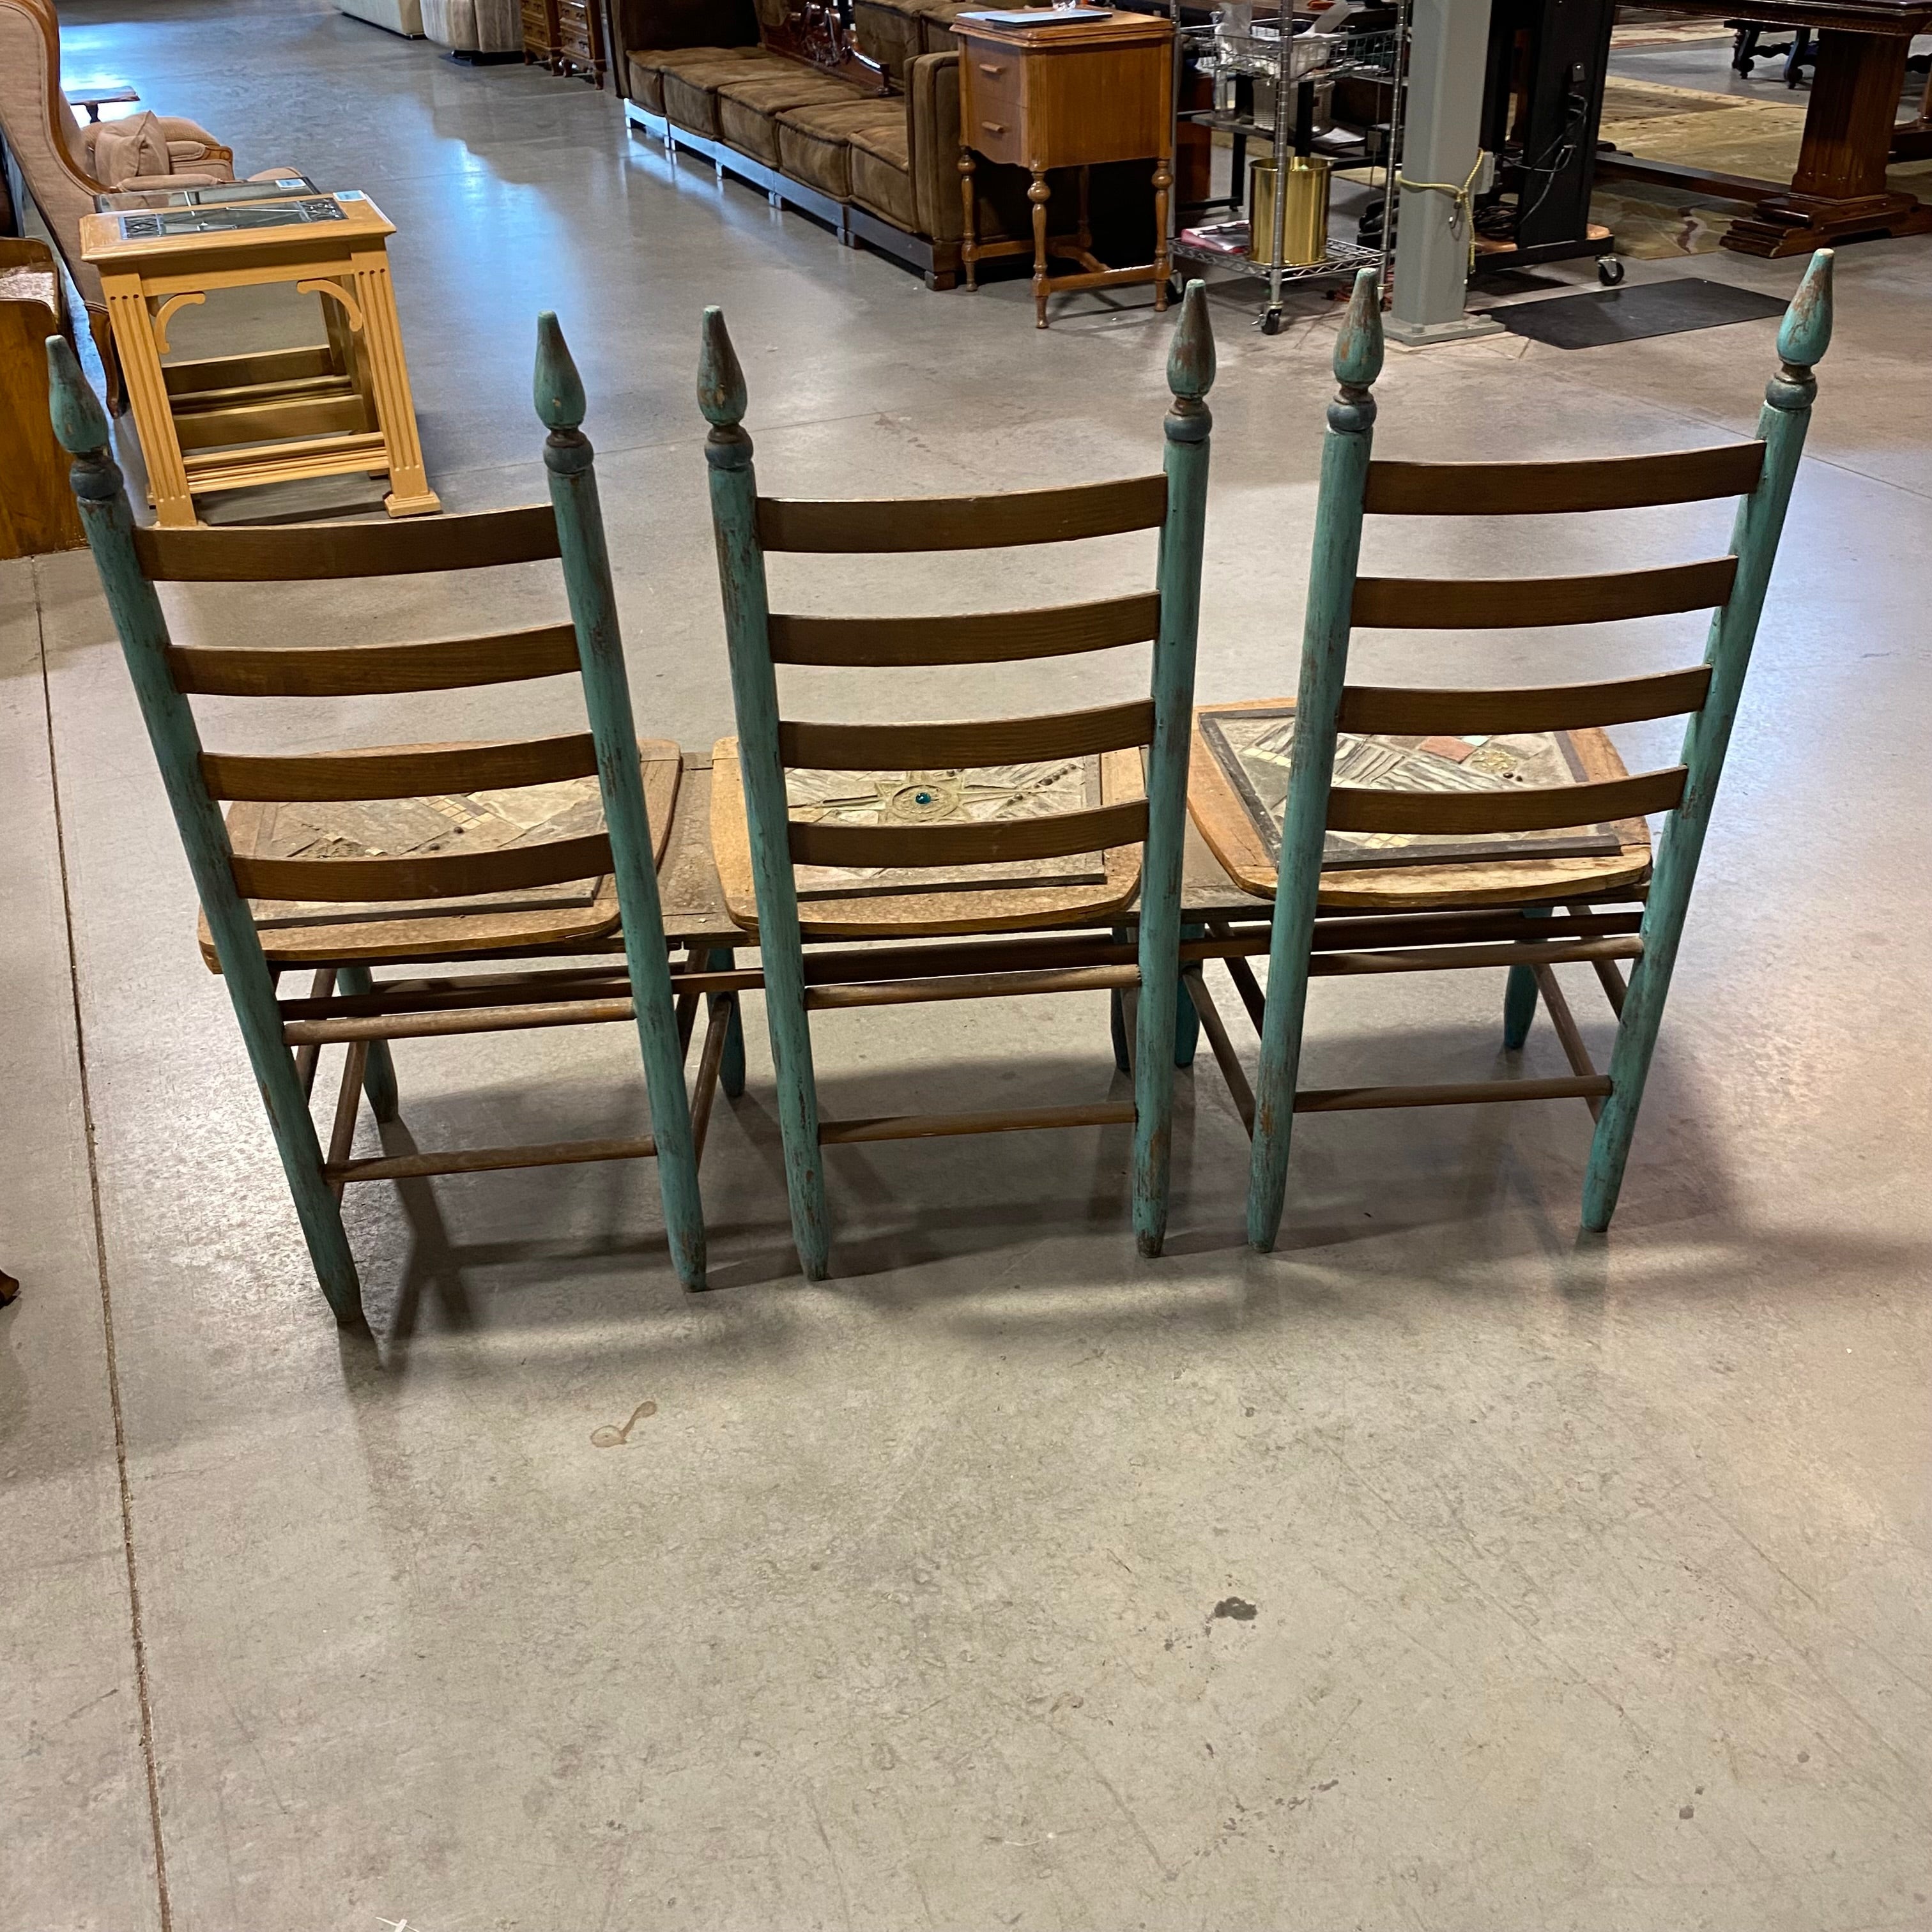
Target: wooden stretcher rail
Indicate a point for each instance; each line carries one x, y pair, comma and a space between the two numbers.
444, 875
920, 1126
1455, 958
1519, 489
489, 1160
1370, 709
511, 1018
1496, 603
383, 773
1346, 1099
985, 637
387, 549
993, 842
970, 986
887, 523
1223, 1049
1567, 1032
1533, 808
997, 741
363, 670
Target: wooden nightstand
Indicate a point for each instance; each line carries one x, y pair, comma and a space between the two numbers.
580, 39
1066, 95
540, 33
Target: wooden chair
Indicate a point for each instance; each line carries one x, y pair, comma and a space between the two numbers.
1500, 911
758, 838
265, 913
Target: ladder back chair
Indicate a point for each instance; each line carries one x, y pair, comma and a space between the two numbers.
265, 913
1469, 912
757, 833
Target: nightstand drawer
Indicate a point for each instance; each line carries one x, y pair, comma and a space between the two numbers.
991, 104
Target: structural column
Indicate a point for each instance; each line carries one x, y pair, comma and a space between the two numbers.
1448, 54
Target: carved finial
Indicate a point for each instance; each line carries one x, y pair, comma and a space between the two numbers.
1358, 356
721, 382
720, 395
81, 425
1190, 358
80, 421
559, 388
1803, 337
1190, 368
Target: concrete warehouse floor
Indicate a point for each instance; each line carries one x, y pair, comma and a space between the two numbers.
1442, 1570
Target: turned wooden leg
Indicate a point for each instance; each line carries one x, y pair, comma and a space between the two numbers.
969, 245
1163, 180
1038, 194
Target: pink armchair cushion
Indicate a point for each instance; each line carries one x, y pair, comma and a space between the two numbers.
144, 147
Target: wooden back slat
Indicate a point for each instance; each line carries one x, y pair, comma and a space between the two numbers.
386, 772
884, 524
997, 741
1534, 808
1524, 489
388, 549
992, 636
444, 875
1370, 708
362, 670
1493, 603
994, 842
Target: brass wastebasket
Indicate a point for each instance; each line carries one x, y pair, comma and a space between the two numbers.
1305, 233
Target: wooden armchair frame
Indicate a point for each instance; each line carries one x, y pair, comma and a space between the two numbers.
344, 1005
747, 526
1529, 938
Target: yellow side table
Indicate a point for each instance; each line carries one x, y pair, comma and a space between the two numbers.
228, 422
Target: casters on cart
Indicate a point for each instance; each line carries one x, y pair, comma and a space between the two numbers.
1609, 270
1270, 321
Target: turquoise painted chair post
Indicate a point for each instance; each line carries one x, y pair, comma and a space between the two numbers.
81, 425
568, 456
757, 836
1803, 337
1509, 905
1326, 624
339, 916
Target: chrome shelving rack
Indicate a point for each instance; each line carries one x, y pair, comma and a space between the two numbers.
1293, 64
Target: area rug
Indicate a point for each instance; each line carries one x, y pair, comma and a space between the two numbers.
1606, 316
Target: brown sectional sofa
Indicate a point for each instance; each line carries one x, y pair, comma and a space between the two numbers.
871, 149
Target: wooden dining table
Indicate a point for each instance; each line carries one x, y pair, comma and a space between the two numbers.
1838, 192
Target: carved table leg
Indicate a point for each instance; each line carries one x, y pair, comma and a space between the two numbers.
1038, 194
1163, 180
969, 245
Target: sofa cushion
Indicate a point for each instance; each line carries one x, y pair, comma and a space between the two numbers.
814, 143
882, 174
649, 66
690, 93
888, 31
747, 109
935, 23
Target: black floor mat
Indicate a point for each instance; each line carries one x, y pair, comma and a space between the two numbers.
1629, 315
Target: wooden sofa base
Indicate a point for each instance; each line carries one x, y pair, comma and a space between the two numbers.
938, 262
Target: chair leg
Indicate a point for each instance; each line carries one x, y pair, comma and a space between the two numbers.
379, 1071
293, 1126
1186, 1021
1520, 997
790, 1028
731, 1068
1116, 1011
1155, 1012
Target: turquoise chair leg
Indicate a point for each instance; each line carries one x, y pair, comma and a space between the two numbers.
379, 1071
81, 426
1187, 1017
1117, 1011
1519, 996
731, 1067
1802, 339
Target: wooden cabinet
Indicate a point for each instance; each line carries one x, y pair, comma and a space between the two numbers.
1070, 95
540, 33
580, 39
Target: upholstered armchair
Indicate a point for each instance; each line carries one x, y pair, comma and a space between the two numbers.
65, 165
